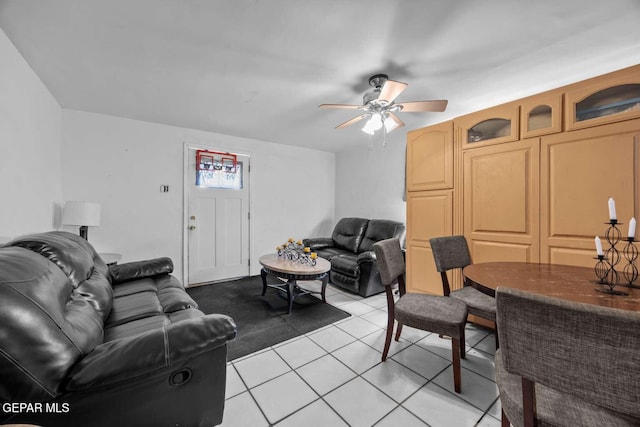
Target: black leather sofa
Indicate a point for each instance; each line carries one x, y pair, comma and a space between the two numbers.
82, 344
350, 251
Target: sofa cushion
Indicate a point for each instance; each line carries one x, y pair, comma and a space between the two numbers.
346, 282
133, 307
151, 296
78, 260
149, 323
346, 265
140, 269
73, 254
330, 253
381, 229
47, 326
348, 233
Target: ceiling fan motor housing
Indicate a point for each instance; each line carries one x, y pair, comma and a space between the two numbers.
370, 96
378, 80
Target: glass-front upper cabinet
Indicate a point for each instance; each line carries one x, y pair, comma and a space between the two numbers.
605, 99
541, 114
491, 126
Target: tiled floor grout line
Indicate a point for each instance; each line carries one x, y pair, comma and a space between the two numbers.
308, 335
320, 396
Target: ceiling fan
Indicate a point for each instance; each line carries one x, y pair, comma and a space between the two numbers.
379, 107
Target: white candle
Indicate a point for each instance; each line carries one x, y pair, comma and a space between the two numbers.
632, 228
612, 209
599, 246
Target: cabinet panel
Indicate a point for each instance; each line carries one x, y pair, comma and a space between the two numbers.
605, 99
487, 251
541, 115
430, 158
501, 194
492, 126
579, 172
422, 275
569, 256
429, 214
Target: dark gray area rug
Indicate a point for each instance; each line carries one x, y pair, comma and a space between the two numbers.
262, 321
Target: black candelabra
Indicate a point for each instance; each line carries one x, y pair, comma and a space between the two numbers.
630, 270
605, 268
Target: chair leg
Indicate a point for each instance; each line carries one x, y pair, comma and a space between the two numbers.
529, 402
463, 345
455, 352
387, 342
398, 331
505, 420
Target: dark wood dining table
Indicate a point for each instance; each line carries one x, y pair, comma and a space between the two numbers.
561, 281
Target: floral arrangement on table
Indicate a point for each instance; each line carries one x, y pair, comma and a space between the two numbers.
296, 251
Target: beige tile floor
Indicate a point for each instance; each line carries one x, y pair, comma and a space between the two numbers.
334, 376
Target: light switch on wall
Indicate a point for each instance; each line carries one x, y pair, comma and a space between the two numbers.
164, 188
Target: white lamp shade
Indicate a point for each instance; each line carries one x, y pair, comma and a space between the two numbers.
390, 124
81, 213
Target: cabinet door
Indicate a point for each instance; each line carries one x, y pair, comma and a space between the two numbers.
492, 126
609, 98
541, 115
501, 198
579, 172
429, 214
430, 158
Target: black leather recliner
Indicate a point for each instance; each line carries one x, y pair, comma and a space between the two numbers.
86, 345
350, 251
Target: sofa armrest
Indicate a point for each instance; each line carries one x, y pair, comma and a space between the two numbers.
366, 256
140, 269
136, 356
318, 243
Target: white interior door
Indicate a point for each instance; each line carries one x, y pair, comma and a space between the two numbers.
218, 223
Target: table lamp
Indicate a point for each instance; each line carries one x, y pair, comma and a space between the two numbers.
84, 214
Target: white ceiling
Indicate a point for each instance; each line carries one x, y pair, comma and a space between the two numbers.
260, 68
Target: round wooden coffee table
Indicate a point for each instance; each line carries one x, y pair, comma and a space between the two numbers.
294, 271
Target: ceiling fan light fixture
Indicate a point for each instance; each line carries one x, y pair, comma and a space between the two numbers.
389, 124
373, 124
367, 129
376, 121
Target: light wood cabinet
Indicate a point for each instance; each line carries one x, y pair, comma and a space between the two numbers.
605, 99
541, 115
579, 172
501, 193
437, 206
430, 158
491, 126
528, 180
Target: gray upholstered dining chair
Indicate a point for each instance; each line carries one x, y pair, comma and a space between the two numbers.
452, 252
438, 314
565, 363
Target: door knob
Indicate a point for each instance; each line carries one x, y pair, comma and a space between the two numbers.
192, 227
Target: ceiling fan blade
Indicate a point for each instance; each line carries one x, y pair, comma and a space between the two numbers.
346, 106
421, 106
351, 121
390, 90
395, 118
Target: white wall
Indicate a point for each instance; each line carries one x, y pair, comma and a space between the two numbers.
30, 120
121, 164
370, 182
